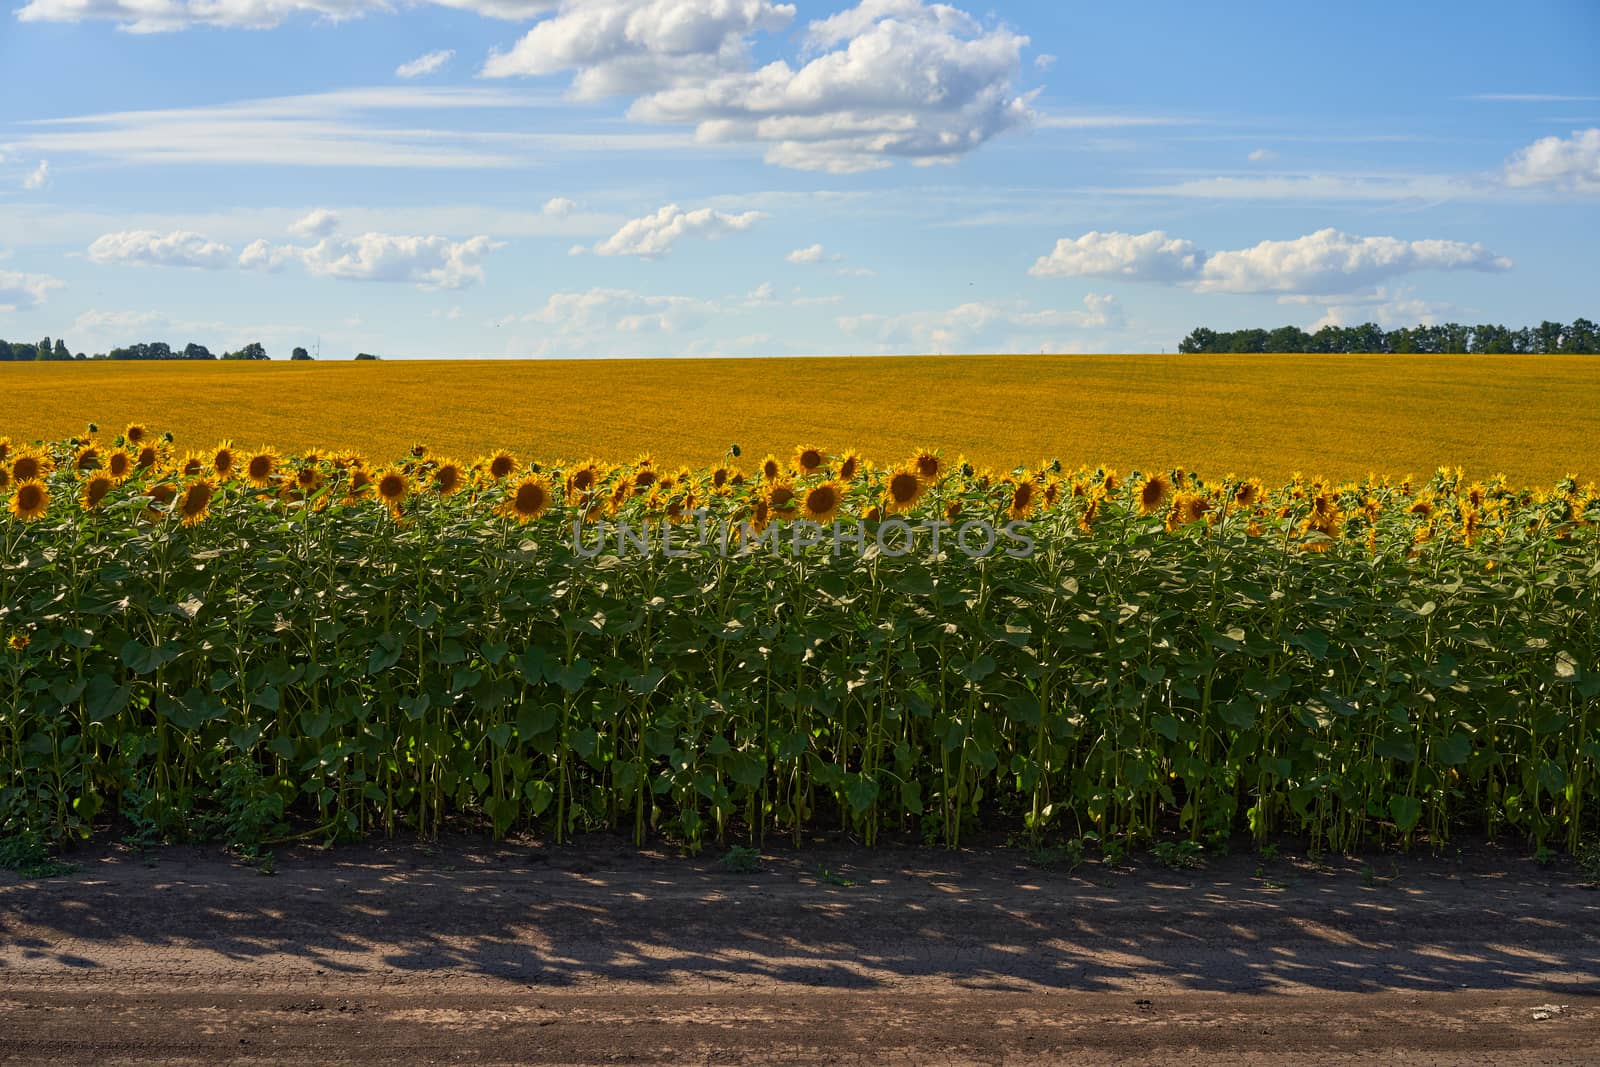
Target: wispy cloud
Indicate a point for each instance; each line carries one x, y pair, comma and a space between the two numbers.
422, 66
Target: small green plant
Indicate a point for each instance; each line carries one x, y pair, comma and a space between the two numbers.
1269, 853
741, 859
29, 857
833, 878
1588, 860
1369, 877
1544, 856
1179, 855
1067, 856
250, 813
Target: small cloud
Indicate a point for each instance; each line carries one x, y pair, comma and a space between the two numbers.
40, 176
318, 223
428, 64
1044, 61
1262, 155
809, 254
654, 235
558, 206
761, 294
578, 250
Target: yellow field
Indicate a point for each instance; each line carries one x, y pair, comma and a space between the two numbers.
1531, 417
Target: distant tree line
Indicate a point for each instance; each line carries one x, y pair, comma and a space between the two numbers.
47, 350
1547, 338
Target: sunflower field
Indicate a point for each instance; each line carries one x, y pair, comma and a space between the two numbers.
332, 647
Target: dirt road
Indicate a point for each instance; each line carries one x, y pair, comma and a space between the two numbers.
475, 953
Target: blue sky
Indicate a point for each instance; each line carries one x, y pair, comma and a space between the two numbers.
499, 178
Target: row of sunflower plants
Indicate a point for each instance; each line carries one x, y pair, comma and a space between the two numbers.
377, 648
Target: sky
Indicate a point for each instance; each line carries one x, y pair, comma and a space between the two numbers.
604, 178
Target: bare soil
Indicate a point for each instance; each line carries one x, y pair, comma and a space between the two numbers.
595, 952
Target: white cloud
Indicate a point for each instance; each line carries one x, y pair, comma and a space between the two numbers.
318, 223
342, 128
431, 63
429, 262
1149, 256
601, 313
266, 256
559, 206
980, 326
809, 254
1387, 308
181, 248
1567, 163
885, 80
1262, 155
23, 292
637, 46
1044, 61
161, 16
1326, 261
39, 177
761, 296
654, 235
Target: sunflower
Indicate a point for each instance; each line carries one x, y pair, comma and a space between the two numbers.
782, 499
719, 477
449, 477
822, 502
850, 465
1111, 483
1024, 495
308, 478
360, 480
5, 448
582, 479
874, 514
193, 464
148, 456
223, 460
1153, 493
1091, 512
501, 465
195, 503
952, 511
1247, 493
903, 491
30, 501
135, 433
18, 642
119, 464
530, 499
1187, 508
162, 493
88, 458
760, 515
95, 489
771, 467
393, 485
926, 465
260, 466
643, 479
5, 476
808, 459
419, 451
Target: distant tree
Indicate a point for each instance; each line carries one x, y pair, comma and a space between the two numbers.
1287, 339
61, 350
366, 355
300, 353
1581, 336
44, 350
252, 351
5, 351
195, 351
1199, 340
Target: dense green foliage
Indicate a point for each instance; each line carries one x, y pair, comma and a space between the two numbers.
1350, 664
1547, 338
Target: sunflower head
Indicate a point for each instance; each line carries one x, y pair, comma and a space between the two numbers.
30, 500
5, 449
582, 479
5, 476
449, 477
136, 433
808, 459
162, 492
95, 488
903, 491
529, 498
1247, 493
308, 478
195, 503
1152, 493
148, 456
1024, 496
926, 465
87, 458
18, 642
850, 465
260, 466
501, 465
392, 487
782, 498
771, 468
821, 502
193, 465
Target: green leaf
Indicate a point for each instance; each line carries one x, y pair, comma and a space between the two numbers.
1407, 812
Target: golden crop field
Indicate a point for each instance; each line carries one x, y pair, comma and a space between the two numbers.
1529, 417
